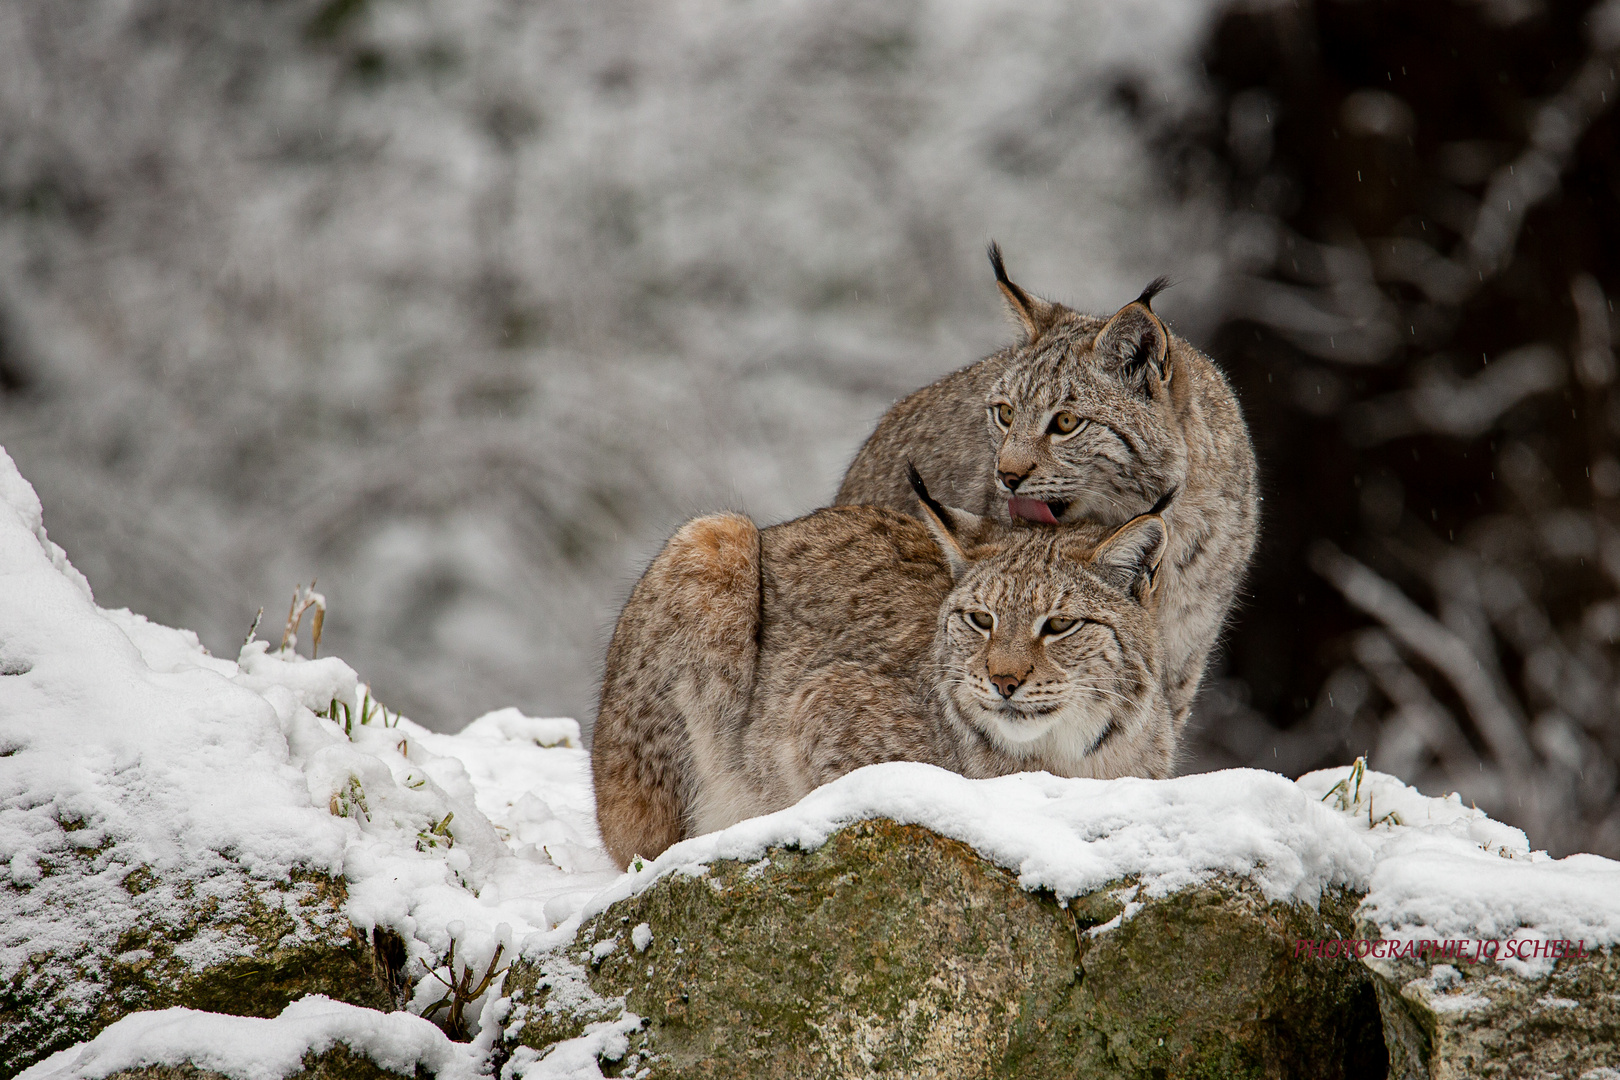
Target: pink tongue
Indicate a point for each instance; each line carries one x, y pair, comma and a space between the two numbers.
1031, 510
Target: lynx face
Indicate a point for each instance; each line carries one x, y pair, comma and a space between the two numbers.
1057, 657
1080, 418
1046, 637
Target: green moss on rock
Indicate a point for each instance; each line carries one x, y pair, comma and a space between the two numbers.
338, 1063
892, 951
237, 946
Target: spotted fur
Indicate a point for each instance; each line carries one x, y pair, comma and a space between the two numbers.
1158, 426
751, 666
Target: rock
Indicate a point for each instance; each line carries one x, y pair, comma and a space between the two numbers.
338, 1063
314, 1038
1451, 1021
892, 951
237, 946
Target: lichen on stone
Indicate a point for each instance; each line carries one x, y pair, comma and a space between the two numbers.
338, 1063
1451, 1021
892, 951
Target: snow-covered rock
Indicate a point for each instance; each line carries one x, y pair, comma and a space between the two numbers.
181, 829
247, 1048
1455, 1019
184, 836
888, 950
1224, 921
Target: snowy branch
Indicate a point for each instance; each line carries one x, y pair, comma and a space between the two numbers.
1495, 713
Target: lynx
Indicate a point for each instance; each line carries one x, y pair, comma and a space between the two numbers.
1090, 419
750, 666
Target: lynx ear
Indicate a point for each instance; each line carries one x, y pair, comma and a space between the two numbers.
948, 525
1130, 558
1135, 341
1034, 314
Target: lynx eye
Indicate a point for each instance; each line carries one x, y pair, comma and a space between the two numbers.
1004, 414
1064, 423
983, 620
1055, 627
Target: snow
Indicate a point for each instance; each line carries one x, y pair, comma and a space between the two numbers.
125, 745
120, 763
1068, 836
1442, 870
249, 1048
577, 1059
1449, 872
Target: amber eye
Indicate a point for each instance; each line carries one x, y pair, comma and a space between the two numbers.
1057, 626
1004, 414
982, 619
1064, 423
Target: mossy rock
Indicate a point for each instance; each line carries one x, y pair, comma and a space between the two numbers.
1460, 1021
338, 1063
891, 951
238, 946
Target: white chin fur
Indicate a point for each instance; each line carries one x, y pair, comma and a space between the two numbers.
1017, 732
1063, 738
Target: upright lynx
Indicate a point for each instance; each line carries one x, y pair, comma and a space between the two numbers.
751, 666
1090, 419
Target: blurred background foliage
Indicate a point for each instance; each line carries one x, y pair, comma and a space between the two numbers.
464, 306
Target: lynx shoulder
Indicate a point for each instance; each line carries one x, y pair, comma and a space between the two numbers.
1090, 419
751, 666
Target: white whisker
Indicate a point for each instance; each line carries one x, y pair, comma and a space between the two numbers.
1099, 690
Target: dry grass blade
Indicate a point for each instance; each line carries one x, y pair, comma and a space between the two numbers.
304, 598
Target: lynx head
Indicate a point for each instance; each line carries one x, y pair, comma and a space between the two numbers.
1048, 642
1081, 418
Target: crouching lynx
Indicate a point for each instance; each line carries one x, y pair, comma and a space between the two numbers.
1090, 419
750, 666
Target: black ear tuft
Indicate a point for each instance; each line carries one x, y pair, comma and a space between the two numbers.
1018, 296
1154, 288
947, 526
1034, 314
996, 264
928, 500
1135, 342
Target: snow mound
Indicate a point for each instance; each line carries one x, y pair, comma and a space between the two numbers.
1068, 836
248, 1048
1448, 871
126, 749
113, 764
1430, 867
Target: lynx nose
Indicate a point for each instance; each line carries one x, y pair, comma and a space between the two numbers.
1006, 684
1012, 479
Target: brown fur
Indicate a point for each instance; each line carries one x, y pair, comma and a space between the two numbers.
1156, 417
676, 649
750, 667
